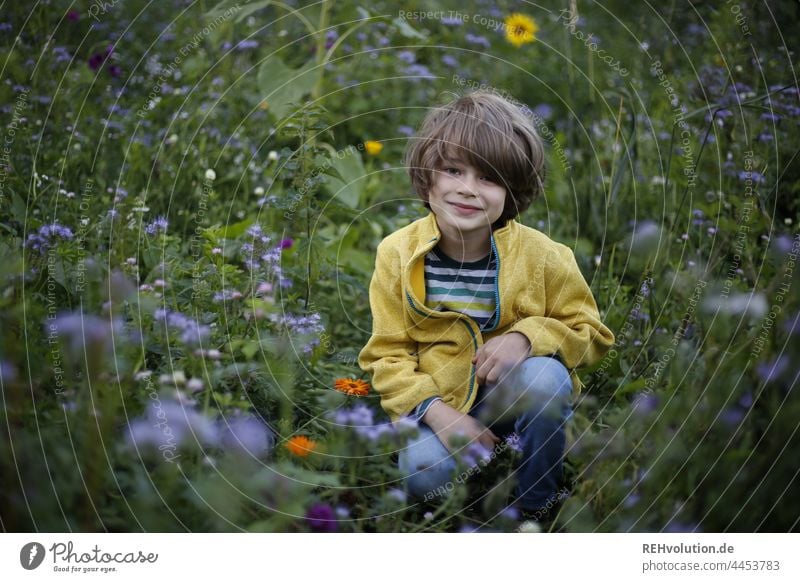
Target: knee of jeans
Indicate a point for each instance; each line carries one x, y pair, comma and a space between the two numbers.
428, 473
547, 379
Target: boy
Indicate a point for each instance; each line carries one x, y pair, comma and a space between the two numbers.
472, 311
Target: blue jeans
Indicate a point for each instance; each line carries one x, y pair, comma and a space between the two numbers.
534, 402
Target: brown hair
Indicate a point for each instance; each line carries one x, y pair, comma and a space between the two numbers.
488, 132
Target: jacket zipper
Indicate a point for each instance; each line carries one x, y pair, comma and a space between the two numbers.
465, 319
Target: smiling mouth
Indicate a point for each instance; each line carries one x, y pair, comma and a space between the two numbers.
464, 206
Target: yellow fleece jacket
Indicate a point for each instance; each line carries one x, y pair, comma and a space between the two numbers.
415, 353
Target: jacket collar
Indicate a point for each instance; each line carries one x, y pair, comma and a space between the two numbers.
429, 232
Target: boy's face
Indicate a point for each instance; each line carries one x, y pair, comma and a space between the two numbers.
464, 199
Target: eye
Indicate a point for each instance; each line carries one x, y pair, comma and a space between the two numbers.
452, 170
488, 179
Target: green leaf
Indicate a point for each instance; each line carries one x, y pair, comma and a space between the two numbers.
406, 29
347, 179
283, 87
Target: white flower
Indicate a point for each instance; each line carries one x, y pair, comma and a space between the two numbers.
177, 378
272, 156
259, 191
211, 175
195, 385
172, 139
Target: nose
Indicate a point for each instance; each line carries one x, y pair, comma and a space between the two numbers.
468, 184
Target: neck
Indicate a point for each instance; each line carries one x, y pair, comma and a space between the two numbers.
465, 247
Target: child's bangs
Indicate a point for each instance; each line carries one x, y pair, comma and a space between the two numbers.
482, 145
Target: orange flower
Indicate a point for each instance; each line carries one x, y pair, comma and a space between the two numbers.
352, 387
300, 445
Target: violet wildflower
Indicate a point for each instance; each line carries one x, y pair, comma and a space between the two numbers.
771, 371
247, 435
47, 236
247, 45
418, 70
644, 404
160, 224
452, 21
321, 518
169, 424
8, 373
475, 453
330, 38
407, 57
477, 40
190, 332
450, 60
543, 110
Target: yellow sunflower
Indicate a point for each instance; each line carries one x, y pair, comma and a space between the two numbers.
351, 387
520, 29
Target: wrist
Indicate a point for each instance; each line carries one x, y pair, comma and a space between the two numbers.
433, 413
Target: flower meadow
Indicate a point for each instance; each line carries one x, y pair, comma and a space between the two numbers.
191, 195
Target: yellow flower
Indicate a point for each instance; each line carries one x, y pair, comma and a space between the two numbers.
300, 445
373, 147
351, 387
520, 29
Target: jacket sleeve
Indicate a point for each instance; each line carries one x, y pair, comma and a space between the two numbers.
390, 355
571, 326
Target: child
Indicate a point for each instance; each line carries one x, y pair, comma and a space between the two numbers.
472, 311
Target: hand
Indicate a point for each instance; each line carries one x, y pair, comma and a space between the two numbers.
499, 356
447, 422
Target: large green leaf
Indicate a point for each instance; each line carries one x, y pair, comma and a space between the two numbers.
347, 183
283, 87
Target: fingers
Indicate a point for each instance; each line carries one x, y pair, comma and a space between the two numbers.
488, 439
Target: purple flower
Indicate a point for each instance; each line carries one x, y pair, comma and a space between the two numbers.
247, 435
631, 500
407, 57
321, 518
158, 225
792, 326
478, 40
247, 45
644, 404
73, 15
330, 38
84, 333
95, 61
543, 110
191, 332
115, 71
450, 61
47, 236
170, 424
756, 177
406, 130
286, 243
732, 416
771, 371
452, 21
475, 453
417, 70
8, 373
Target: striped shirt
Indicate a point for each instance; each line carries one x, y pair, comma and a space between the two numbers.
467, 288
